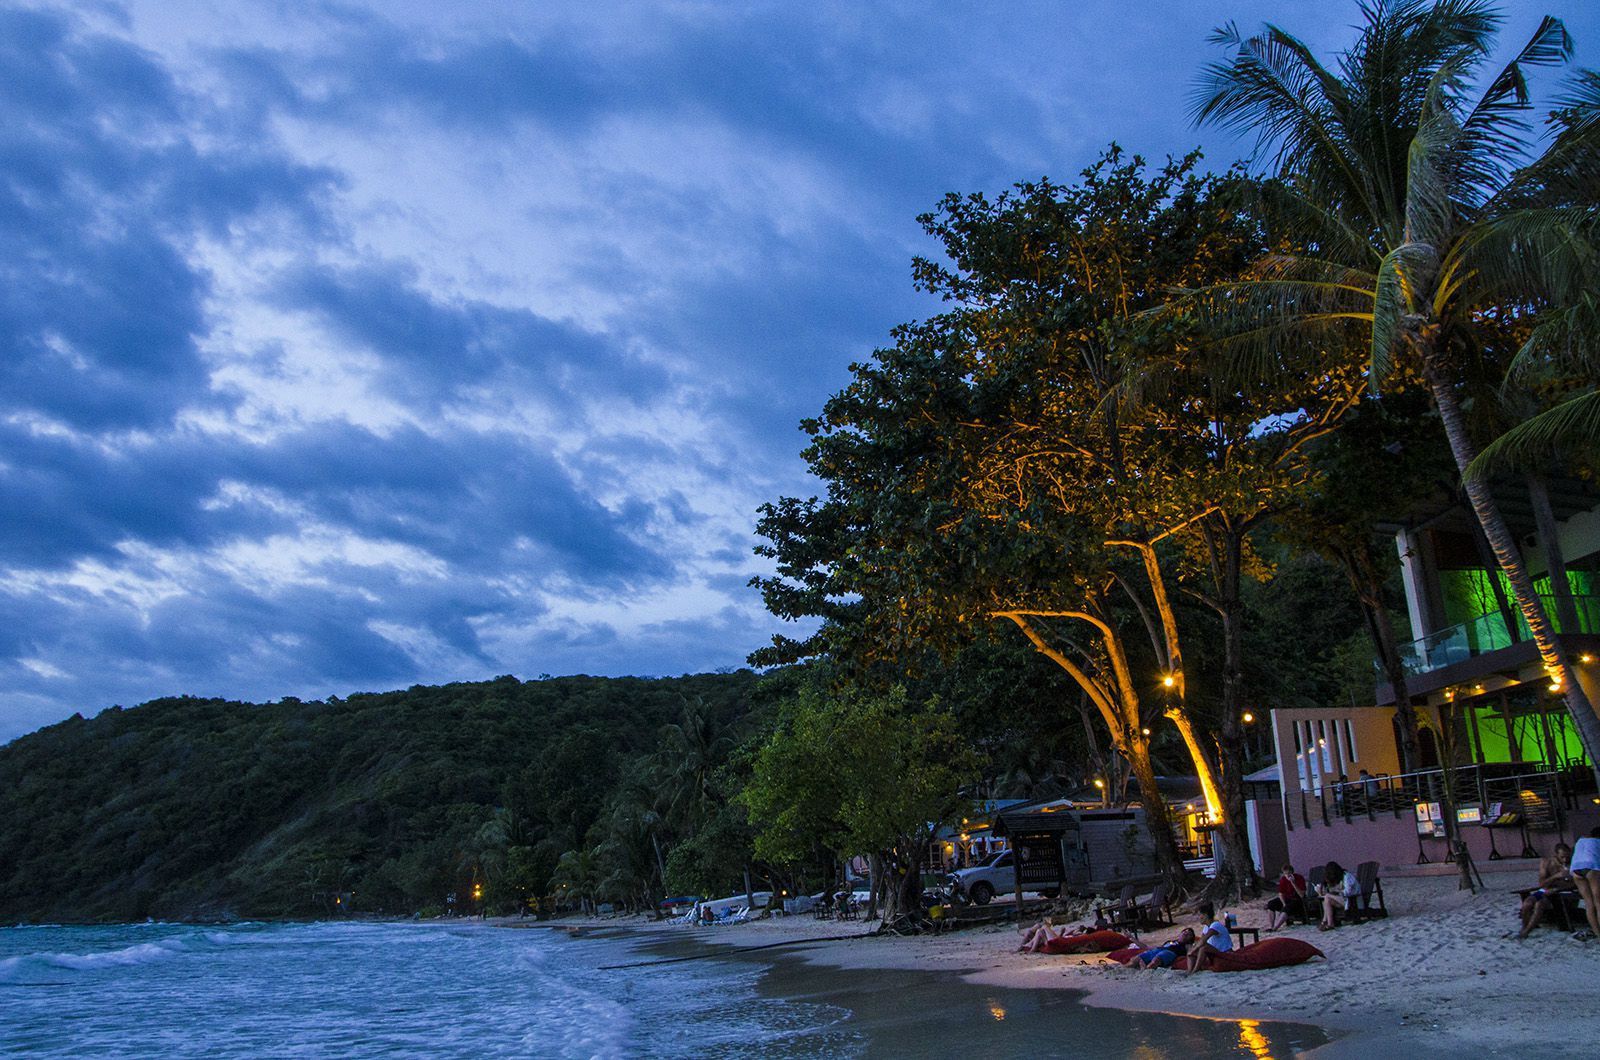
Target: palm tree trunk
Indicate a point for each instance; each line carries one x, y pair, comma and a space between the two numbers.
1544, 517
1504, 546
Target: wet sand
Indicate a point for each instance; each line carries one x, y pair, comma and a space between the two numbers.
1439, 977
899, 1013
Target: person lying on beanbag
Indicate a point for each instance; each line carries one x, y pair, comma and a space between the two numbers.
1166, 954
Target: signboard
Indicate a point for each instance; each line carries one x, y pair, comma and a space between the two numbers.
1430, 819
1472, 814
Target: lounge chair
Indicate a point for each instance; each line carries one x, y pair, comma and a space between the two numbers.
1125, 913
1371, 887
1152, 912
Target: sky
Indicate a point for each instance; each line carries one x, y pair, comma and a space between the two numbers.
354, 346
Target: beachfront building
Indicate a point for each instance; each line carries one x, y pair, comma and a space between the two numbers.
1110, 833
1523, 780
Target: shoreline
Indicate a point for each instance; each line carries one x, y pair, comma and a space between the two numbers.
1435, 977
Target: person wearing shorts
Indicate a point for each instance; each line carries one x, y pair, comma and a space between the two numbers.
1166, 954
1586, 874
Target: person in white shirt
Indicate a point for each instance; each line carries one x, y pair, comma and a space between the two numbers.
1586, 874
1338, 889
1215, 940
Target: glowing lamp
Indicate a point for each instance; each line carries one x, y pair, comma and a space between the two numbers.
1169, 680
1248, 717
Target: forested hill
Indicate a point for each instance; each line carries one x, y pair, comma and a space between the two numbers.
199, 808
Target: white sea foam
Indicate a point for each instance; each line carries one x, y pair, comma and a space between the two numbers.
342, 989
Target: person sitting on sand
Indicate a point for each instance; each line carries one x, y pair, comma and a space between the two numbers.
1338, 887
1291, 899
1554, 877
1216, 939
1166, 954
1586, 875
1034, 938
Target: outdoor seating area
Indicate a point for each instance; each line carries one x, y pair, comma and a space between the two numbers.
1131, 914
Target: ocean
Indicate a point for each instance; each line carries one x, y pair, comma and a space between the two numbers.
462, 989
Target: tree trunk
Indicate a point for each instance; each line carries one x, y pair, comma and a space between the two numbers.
661, 863
1121, 711
1236, 874
1544, 517
1490, 562
1504, 546
1363, 576
1448, 761
1157, 818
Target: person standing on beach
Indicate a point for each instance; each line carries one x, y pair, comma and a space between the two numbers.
1586, 874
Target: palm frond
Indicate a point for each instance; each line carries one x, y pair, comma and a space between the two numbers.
1573, 424
1564, 344
1274, 87
1496, 131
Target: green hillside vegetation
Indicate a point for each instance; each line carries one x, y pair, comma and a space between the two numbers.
575, 790
192, 807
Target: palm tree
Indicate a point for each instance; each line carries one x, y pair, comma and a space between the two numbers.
1411, 220
1563, 354
690, 753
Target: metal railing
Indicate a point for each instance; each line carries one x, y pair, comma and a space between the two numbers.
1488, 633
1532, 793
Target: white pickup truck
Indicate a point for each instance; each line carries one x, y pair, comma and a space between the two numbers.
982, 882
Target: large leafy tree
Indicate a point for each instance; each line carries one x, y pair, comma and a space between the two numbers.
1037, 453
1416, 220
860, 773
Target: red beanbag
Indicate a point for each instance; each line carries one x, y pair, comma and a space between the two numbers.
1124, 955
1268, 953
1093, 942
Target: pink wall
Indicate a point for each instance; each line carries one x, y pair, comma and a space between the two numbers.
1393, 843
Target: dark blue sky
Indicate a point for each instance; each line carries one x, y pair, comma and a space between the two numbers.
350, 346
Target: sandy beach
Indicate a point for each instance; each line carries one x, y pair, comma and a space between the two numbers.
1438, 976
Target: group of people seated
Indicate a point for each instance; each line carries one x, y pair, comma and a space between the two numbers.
1332, 895
1566, 871
1201, 949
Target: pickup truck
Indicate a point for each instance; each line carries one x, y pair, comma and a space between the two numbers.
981, 883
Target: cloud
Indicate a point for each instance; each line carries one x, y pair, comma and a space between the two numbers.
347, 346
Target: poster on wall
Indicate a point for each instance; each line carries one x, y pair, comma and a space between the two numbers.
1430, 819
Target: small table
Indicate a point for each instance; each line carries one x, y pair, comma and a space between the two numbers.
1253, 932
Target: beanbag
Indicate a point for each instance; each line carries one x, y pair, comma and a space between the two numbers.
1093, 942
1124, 955
1268, 953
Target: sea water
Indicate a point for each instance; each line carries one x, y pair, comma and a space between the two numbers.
462, 989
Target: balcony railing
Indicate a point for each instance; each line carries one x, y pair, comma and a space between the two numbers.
1525, 788
1488, 633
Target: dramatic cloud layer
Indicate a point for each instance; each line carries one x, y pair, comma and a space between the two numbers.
351, 346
